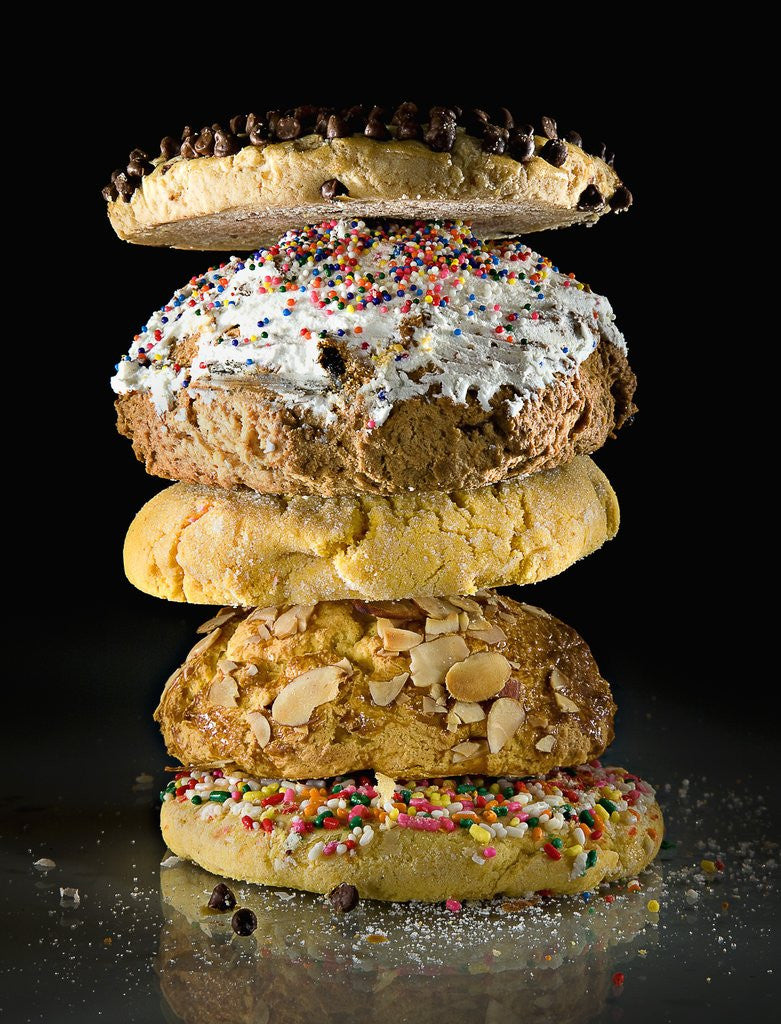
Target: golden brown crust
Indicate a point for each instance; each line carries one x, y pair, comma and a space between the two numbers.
240, 436
214, 546
554, 680
249, 199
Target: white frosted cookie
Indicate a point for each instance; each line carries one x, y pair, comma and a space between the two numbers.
350, 357
458, 838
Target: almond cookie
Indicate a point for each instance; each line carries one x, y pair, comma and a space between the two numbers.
381, 359
207, 545
239, 186
422, 687
430, 840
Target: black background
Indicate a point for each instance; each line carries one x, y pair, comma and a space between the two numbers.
660, 603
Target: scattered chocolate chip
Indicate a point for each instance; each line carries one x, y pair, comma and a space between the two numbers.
554, 151
169, 147
306, 116
336, 128
321, 122
225, 143
138, 168
272, 118
575, 138
375, 129
187, 149
222, 898
408, 129
355, 118
332, 361
244, 921
505, 119
549, 129
204, 144
257, 129
521, 146
525, 129
124, 185
590, 198
186, 132
495, 139
138, 154
621, 199
238, 124
344, 898
404, 112
441, 116
441, 137
288, 128
332, 188
109, 193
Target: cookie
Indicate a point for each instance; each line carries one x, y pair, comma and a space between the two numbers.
213, 546
412, 688
380, 359
563, 833
238, 188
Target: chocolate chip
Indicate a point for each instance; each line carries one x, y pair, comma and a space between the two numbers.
521, 147
257, 129
321, 121
138, 168
186, 132
408, 129
549, 129
441, 137
525, 129
204, 144
505, 119
138, 154
441, 116
272, 118
355, 118
404, 112
604, 154
332, 188
554, 151
288, 128
222, 898
332, 361
244, 921
238, 124
590, 198
109, 193
225, 143
187, 149
344, 898
336, 127
621, 199
306, 116
169, 147
375, 129
495, 139
123, 184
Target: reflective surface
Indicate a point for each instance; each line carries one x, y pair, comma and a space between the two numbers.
140, 946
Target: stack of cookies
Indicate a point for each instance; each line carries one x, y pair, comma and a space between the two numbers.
373, 421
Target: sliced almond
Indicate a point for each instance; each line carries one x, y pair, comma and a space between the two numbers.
468, 711
347, 665
534, 610
436, 627
463, 751
463, 621
395, 639
294, 620
437, 693
251, 670
385, 691
203, 645
431, 707
505, 718
453, 722
260, 637
479, 677
392, 609
467, 604
294, 705
222, 616
266, 615
435, 607
226, 666
546, 744
557, 679
260, 726
223, 692
492, 635
538, 721
430, 661
569, 707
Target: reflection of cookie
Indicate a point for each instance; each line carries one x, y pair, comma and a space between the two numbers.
566, 833
479, 965
213, 546
237, 188
349, 358
426, 710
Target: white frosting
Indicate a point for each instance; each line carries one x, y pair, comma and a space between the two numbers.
548, 327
